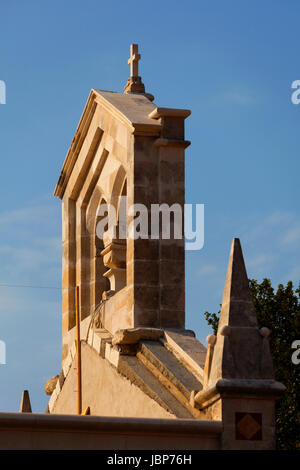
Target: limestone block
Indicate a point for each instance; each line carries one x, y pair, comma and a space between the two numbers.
172, 318
134, 335
90, 337
144, 249
57, 388
188, 350
145, 173
171, 271
172, 298
97, 343
146, 272
67, 363
114, 254
146, 195
121, 135
172, 250
73, 350
61, 379
52, 400
65, 368
146, 317
112, 355
146, 298
117, 311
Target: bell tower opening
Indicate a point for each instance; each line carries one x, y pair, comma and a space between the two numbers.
115, 246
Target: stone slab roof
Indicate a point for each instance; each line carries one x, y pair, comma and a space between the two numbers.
134, 107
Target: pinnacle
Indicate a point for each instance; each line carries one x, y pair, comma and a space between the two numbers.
25, 406
237, 305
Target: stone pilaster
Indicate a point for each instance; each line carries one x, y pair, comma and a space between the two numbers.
68, 263
171, 183
157, 265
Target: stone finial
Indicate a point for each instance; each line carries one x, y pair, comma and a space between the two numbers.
50, 385
265, 332
241, 350
134, 83
211, 341
25, 406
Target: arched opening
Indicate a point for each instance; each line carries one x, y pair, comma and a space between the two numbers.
98, 283
114, 252
101, 282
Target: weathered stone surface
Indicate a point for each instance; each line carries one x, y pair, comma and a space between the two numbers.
211, 341
112, 354
188, 350
50, 385
134, 335
139, 375
97, 339
170, 367
240, 352
61, 432
237, 305
106, 391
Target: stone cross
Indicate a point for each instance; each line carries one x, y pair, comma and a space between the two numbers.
133, 61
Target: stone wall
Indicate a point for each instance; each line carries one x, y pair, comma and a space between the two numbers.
105, 391
38, 431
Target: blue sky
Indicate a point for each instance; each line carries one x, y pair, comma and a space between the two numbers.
232, 63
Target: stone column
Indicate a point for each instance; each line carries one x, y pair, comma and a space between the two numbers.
171, 251
171, 186
143, 253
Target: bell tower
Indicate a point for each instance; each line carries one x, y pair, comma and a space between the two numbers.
125, 148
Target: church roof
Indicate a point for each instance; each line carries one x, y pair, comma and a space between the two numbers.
133, 109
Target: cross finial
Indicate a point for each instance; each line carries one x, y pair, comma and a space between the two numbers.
133, 60
134, 83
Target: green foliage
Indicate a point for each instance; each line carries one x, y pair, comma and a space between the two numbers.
280, 312
213, 320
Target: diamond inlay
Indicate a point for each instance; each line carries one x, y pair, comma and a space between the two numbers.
248, 426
